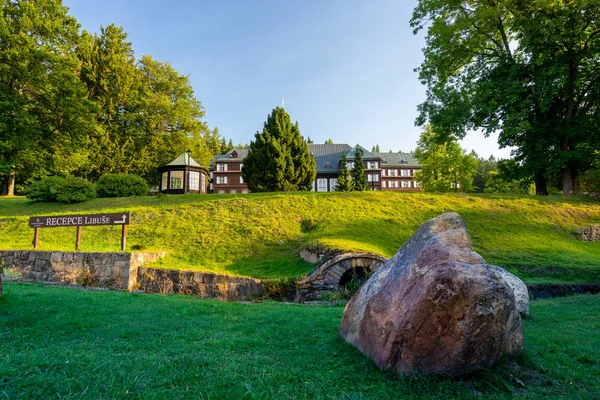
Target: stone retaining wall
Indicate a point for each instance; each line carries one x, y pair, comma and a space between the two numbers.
111, 270
207, 285
124, 271
551, 290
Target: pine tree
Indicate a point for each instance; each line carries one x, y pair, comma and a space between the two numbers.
375, 149
279, 158
329, 141
344, 184
359, 183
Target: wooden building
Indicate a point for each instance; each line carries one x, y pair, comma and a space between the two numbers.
383, 171
183, 175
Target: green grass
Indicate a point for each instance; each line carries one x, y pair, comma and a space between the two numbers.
63, 343
261, 235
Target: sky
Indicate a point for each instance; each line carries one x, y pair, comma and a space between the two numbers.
344, 69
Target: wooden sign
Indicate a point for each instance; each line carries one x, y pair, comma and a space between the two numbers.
58, 221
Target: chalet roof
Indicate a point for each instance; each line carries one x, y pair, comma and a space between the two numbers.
366, 154
399, 159
236, 154
184, 159
328, 156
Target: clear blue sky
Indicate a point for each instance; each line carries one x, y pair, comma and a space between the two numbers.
344, 67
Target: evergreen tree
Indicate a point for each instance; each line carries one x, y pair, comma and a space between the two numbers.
375, 149
344, 184
279, 158
359, 183
329, 141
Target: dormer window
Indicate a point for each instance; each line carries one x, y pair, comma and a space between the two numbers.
327, 165
234, 154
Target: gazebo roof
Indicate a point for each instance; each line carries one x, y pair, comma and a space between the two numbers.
184, 160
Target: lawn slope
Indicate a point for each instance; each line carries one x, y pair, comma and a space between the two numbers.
62, 343
261, 235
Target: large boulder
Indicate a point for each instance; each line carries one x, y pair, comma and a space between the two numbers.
435, 307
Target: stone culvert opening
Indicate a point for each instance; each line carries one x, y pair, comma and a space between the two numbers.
337, 272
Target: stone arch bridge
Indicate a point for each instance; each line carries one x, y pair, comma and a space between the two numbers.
335, 272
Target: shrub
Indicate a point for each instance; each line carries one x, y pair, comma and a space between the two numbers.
121, 185
63, 190
590, 181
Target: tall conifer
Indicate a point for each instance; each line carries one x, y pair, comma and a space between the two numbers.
359, 183
279, 158
344, 184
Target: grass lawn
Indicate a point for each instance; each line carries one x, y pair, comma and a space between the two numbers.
63, 343
261, 235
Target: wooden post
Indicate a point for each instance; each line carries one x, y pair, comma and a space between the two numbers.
123, 237
78, 238
36, 237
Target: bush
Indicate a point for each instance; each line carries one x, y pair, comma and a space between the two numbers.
63, 190
590, 181
121, 185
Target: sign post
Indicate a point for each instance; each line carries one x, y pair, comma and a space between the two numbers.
79, 221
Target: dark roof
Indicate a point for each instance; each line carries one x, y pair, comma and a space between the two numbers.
230, 155
398, 159
366, 154
184, 159
328, 156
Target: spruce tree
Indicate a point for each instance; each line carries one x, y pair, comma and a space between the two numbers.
279, 158
344, 184
359, 183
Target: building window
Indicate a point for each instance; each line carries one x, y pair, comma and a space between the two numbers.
314, 185
383, 172
241, 166
233, 191
373, 178
371, 164
241, 179
221, 191
176, 181
194, 180
321, 185
165, 181
405, 184
393, 172
332, 184
350, 165
221, 167
202, 183
417, 184
405, 172
244, 191
383, 184
221, 180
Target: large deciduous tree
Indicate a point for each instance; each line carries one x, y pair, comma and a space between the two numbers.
148, 112
45, 115
279, 158
444, 165
528, 70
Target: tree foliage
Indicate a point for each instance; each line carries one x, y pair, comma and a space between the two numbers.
44, 111
527, 70
444, 165
279, 158
359, 182
344, 184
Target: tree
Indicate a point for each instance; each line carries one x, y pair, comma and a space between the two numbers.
484, 167
329, 141
279, 158
45, 116
147, 110
375, 149
344, 184
444, 165
359, 183
527, 70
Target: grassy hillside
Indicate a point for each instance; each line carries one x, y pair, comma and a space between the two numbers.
261, 235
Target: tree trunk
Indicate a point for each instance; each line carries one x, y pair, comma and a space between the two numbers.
567, 180
10, 184
541, 187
